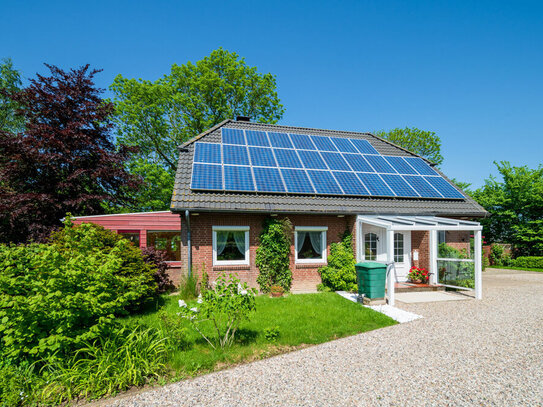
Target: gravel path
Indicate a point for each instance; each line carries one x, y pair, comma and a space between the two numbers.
462, 353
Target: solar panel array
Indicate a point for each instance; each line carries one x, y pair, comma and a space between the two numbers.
259, 161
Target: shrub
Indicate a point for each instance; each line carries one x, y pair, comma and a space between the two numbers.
54, 297
226, 305
535, 262
157, 260
339, 274
273, 254
271, 334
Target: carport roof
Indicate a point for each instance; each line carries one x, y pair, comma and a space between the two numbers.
419, 223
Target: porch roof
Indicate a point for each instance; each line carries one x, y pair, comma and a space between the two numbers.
399, 222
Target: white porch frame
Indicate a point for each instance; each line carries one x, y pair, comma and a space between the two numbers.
433, 224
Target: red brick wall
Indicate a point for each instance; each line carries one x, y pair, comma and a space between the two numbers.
459, 239
420, 240
304, 276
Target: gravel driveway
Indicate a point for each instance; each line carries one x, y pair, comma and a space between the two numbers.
463, 353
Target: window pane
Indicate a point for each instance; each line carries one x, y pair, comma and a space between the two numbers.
134, 237
398, 248
310, 245
167, 241
230, 245
370, 246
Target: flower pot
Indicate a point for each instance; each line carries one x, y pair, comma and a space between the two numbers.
418, 281
276, 294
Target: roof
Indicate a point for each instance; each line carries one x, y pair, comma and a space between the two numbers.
221, 201
419, 223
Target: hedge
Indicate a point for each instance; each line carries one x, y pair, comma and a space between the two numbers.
535, 262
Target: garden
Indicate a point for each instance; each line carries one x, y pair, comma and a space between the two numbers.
86, 315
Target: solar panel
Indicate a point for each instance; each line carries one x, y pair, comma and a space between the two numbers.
268, 180
324, 182
374, 184
312, 159
358, 162
379, 164
262, 157
236, 155
206, 176
255, 160
444, 188
302, 142
350, 184
399, 186
323, 143
238, 178
364, 146
257, 138
287, 158
297, 181
232, 136
422, 186
344, 145
420, 165
207, 153
281, 140
400, 165
335, 161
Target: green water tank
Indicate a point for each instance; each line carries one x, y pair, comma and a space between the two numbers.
371, 277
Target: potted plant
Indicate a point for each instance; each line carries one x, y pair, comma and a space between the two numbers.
277, 291
418, 275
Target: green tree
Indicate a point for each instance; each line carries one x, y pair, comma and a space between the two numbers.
10, 82
516, 207
159, 116
427, 144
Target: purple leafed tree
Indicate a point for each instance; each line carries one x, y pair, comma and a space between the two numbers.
64, 161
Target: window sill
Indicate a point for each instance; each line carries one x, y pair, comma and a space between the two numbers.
309, 265
231, 267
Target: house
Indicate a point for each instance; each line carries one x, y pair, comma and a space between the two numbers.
397, 206
161, 230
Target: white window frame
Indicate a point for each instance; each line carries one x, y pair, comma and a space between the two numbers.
244, 262
324, 230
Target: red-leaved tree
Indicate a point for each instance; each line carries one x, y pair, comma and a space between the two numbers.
64, 160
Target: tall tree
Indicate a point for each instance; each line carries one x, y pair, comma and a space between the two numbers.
10, 81
158, 116
515, 204
64, 160
427, 144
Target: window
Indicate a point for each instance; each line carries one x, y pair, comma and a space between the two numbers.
167, 241
441, 236
230, 245
370, 246
132, 235
310, 244
398, 248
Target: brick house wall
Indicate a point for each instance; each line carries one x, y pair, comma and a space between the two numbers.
304, 276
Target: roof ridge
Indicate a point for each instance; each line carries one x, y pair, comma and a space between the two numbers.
199, 136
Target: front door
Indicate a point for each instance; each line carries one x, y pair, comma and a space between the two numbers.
402, 254
373, 243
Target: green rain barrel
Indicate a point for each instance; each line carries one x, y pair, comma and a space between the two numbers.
371, 278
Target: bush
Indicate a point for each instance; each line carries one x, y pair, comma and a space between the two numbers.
339, 274
498, 257
55, 297
535, 262
273, 254
157, 260
271, 334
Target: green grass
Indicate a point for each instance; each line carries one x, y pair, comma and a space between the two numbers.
303, 319
515, 268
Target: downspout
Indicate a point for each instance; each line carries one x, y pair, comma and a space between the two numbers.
189, 245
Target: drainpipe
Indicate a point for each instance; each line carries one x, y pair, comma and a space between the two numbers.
189, 245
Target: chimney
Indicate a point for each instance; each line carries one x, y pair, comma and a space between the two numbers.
243, 118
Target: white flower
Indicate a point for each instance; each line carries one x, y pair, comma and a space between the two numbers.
199, 301
194, 309
182, 303
243, 292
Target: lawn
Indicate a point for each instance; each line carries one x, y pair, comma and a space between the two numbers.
515, 268
301, 320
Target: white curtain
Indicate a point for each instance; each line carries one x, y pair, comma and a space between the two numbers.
316, 241
222, 237
239, 237
301, 239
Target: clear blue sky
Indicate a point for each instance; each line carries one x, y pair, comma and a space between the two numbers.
470, 71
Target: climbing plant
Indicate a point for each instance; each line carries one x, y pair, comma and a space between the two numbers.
273, 254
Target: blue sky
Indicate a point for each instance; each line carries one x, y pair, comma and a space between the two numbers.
470, 71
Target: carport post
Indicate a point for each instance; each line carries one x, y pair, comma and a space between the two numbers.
433, 257
390, 261
478, 265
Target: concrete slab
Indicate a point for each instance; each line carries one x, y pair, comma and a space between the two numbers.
430, 296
